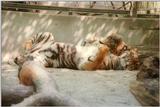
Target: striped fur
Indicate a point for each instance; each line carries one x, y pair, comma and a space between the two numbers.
62, 55
128, 60
92, 56
39, 39
33, 44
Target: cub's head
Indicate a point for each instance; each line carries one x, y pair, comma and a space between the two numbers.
115, 43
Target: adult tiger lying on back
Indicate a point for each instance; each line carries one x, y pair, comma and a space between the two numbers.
62, 55
88, 57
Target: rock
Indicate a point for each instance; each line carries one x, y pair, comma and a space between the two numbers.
146, 87
149, 68
146, 92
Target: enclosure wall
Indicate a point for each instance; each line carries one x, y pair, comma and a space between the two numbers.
18, 26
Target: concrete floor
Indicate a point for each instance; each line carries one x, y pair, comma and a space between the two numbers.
92, 88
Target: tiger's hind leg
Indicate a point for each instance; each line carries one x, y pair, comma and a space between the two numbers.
39, 38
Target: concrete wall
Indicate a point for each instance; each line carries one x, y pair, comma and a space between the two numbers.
18, 26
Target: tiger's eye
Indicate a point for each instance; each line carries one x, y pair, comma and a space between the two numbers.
125, 48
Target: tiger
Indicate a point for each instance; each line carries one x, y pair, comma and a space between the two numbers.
64, 55
112, 40
120, 57
49, 53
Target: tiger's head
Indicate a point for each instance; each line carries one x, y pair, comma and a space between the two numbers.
115, 43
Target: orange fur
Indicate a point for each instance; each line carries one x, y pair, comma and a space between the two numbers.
28, 45
119, 49
26, 75
98, 60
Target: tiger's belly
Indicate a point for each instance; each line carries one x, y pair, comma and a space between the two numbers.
91, 57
